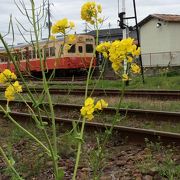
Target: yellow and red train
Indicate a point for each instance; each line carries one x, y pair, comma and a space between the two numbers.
54, 56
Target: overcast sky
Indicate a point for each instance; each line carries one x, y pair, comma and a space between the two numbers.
71, 10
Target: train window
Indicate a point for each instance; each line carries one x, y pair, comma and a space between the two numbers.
33, 54
24, 55
89, 48
46, 52
52, 51
89, 40
41, 52
80, 49
1, 59
72, 48
30, 54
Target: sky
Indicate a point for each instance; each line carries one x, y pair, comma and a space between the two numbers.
71, 10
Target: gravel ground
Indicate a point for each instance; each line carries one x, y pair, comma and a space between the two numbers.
122, 161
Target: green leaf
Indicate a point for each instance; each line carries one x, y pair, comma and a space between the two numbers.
60, 174
45, 123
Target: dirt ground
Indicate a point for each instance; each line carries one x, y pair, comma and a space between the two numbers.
122, 161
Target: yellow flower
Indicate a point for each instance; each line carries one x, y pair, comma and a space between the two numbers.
9, 95
7, 76
120, 51
90, 117
13, 76
88, 109
99, 8
129, 59
100, 20
135, 68
67, 47
11, 90
71, 24
116, 66
101, 104
61, 26
137, 52
71, 38
90, 11
89, 101
125, 77
54, 29
83, 111
104, 48
17, 87
52, 38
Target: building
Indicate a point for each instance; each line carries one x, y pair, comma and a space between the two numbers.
160, 40
111, 34
107, 34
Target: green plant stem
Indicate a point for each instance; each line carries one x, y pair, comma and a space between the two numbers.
54, 155
41, 123
103, 66
8, 163
84, 120
23, 129
107, 135
82, 126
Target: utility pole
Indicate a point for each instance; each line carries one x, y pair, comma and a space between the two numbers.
137, 32
86, 28
124, 27
122, 17
49, 20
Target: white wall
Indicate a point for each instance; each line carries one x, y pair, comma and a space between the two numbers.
160, 46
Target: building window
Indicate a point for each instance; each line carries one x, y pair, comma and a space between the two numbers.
89, 48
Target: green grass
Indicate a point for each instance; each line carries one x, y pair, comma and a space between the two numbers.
154, 82
151, 82
163, 163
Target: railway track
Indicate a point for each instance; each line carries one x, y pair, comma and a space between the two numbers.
152, 94
68, 78
148, 115
135, 135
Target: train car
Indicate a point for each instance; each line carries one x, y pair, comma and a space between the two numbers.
54, 55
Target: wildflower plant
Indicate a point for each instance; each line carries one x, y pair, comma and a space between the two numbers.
90, 12
120, 53
89, 107
117, 52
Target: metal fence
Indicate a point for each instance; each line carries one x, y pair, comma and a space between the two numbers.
162, 59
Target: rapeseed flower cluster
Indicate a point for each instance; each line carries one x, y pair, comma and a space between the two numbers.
71, 38
11, 90
90, 12
104, 49
62, 26
89, 107
7, 77
119, 52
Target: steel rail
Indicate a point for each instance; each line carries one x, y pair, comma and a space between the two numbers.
147, 115
130, 134
153, 94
